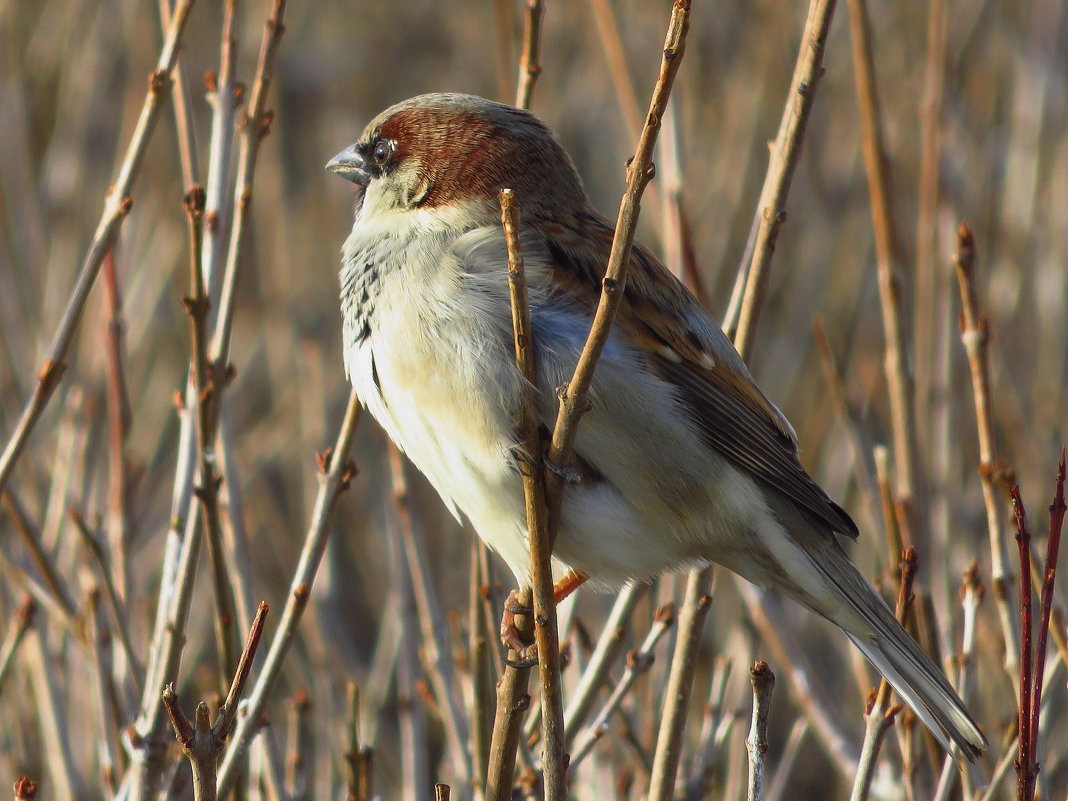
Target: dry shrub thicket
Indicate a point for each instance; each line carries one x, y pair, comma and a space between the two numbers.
389, 683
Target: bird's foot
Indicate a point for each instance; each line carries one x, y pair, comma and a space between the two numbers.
526, 653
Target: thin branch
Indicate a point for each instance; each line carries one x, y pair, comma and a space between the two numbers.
437, 653
120, 521
15, 636
118, 609
359, 758
974, 333
224, 94
638, 662
899, 377
531, 466
207, 387
604, 654
116, 206
1057, 511
300, 757
763, 681
512, 703
529, 64
972, 593
785, 153
255, 126
695, 606
880, 714
574, 396
336, 472
53, 580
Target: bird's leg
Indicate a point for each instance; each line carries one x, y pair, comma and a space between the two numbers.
510, 633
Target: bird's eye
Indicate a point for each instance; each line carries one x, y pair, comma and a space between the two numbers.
382, 151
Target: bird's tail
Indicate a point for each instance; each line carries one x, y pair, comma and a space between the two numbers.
870, 624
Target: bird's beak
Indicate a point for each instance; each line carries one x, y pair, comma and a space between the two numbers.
350, 165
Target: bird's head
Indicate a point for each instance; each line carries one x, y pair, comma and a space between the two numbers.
450, 154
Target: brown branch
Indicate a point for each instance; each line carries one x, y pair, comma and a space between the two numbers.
116, 206
785, 154
359, 758
202, 742
529, 458
974, 334
512, 703
763, 681
337, 471
118, 608
574, 396
638, 662
880, 715
529, 65
207, 385
695, 606
1057, 511
434, 629
1026, 769
898, 375
120, 523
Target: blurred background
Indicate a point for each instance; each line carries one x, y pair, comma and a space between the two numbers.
72, 78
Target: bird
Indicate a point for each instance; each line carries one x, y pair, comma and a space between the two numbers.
681, 460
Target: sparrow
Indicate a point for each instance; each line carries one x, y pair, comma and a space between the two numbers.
681, 460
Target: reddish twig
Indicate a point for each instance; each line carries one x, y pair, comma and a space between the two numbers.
1025, 761
1056, 524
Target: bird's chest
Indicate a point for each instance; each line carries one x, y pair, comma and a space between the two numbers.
428, 363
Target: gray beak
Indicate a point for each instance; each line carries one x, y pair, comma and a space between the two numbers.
350, 165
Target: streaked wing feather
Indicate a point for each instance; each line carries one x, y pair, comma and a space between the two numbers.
731, 413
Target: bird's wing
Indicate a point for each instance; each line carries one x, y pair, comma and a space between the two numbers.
686, 348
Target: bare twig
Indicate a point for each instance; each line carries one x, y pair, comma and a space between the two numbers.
201, 741
529, 456
15, 636
785, 154
119, 420
432, 622
880, 714
107, 732
763, 681
512, 702
442, 792
1057, 511
118, 608
336, 471
53, 580
695, 606
972, 592
604, 653
638, 662
574, 397
529, 64
300, 758
975, 336
224, 94
255, 126
116, 206
359, 758
207, 387
1032, 662
899, 377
